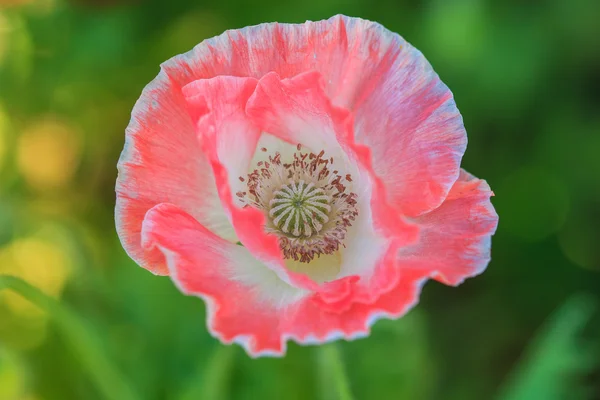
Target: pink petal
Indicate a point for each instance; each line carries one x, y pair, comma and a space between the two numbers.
403, 112
205, 265
306, 113
383, 276
229, 139
455, 238
224, 131
310, 323
298, 110
162, 162
409, 120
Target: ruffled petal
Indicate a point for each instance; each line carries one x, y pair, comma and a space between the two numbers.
310, 323
383, 275
232, 284
380, 110
237, 288
224, 132
403, 112
297, 111
408, 119
455, 238
162, 162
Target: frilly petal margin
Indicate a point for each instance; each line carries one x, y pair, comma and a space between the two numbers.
162, 162
455, 241
205, 265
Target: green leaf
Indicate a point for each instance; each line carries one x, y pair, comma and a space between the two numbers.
84, 343
556, 358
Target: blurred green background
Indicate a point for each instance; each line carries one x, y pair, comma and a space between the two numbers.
526, 77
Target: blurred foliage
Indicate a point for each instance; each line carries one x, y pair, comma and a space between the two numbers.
558, 359
526, 77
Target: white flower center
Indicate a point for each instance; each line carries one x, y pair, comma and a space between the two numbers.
307, 204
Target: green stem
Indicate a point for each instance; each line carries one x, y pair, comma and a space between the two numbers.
332, 373
213, 379
84, 343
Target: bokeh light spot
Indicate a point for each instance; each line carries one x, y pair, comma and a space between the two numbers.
48, 153
41, 263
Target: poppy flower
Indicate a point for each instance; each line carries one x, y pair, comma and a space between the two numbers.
303, 179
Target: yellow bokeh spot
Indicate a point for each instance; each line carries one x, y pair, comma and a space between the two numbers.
48, 153
41, 263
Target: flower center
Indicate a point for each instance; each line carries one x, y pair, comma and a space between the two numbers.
308, 204
300, 209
